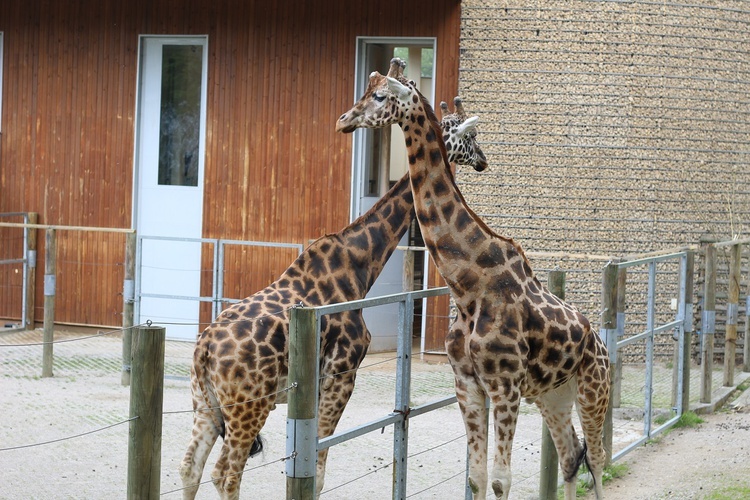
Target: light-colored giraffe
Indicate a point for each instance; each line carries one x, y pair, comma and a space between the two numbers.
239, 369
512, 338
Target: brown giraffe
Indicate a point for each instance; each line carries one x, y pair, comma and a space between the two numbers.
240, 367
512, 338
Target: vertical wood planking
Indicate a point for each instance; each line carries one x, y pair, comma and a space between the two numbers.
279, 76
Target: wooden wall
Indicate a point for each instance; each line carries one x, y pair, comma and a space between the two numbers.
280, 73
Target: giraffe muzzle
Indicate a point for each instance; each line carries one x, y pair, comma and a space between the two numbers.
348, 123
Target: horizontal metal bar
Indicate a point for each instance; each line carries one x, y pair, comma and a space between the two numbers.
667, 326
648, 260
645, 334
13, 261
379, 301
175, 238
270, 244
379, 423
663, 427
361, 430
69, 228
629, 448
633, 339
181, 297
434, 405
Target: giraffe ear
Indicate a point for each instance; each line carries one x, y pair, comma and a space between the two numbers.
398, 88
469, 125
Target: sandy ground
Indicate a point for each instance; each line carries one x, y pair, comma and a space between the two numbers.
85, 398
711, 460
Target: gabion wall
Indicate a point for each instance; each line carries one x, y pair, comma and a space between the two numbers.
611, 127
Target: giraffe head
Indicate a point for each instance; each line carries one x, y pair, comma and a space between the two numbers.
459, 135
389, 99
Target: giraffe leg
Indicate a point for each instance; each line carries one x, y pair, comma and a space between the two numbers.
472, 403
506, 402
556, 407
203, 438
336, 389
239, 437
592, 401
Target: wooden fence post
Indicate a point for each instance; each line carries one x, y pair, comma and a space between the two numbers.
128, 301
687, 310
50, 267
302, 409
31, 272
730, 340
746, 349
146, 403
708, 324
407, 284
609, 333
549, 457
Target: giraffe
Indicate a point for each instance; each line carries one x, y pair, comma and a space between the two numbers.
239, 368
511, 338
455, 126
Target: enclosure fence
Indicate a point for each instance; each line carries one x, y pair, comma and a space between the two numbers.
646, 317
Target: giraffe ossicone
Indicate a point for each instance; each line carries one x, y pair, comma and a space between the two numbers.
240, 363
512, 338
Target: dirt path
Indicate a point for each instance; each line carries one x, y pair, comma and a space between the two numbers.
710, 461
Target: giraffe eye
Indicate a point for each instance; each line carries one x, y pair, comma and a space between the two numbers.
379, 97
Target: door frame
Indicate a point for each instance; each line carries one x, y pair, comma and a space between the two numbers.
361, 72
138, 139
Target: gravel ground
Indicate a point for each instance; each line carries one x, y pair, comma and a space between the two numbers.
85, 398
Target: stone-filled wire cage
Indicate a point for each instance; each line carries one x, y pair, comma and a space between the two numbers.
611, 128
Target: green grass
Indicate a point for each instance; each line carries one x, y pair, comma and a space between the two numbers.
688, 420
729, 493
583, 487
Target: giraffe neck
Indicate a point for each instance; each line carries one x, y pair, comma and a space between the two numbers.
372, 238
460, 243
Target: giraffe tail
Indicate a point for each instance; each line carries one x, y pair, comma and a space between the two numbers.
207, 394
583, 458
580, 459
212, 404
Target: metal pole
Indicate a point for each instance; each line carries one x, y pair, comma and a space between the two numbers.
650, 319
608, 332
302, 420
403, 396
622, 277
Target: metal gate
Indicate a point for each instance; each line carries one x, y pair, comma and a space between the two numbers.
217, 298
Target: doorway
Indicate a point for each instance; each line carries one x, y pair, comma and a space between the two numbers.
379, 161
169, 163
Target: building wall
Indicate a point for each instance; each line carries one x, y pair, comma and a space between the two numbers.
280, 73
611, 128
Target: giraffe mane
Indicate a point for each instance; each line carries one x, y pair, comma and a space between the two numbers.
435, 123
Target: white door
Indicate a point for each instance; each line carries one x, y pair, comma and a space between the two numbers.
380, 160
169, 161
